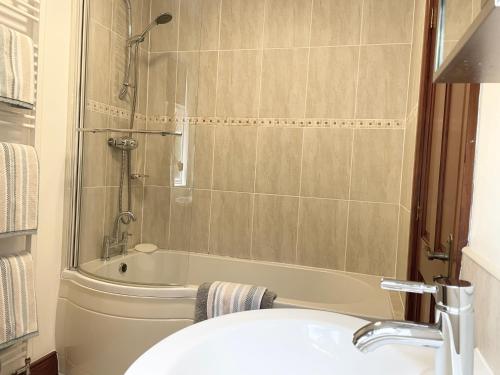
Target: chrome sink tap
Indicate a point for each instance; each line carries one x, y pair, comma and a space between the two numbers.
452, 334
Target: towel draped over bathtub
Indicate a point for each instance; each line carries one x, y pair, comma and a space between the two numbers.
17, 70
18, 318
220, 298
18, 189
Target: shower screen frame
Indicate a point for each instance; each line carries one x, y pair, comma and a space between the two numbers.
74, 137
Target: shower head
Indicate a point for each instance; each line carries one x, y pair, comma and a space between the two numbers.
160, 20
163, 18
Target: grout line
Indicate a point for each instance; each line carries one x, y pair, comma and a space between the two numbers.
214, 133
404, 140
352, 137
252, 211
284, 48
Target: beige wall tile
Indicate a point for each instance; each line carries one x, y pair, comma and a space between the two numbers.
146, 13
458, 17
383, 81
282, 95
119, 21
181, 211
203, 157
241, 24
190, 25
332, 82
336, 22
111, 209
91, 223
162, 86
387, 21
287, 23
322, 230
372, 238
238, 83
408, 161
403, 245
156, 215
326, 163
275, 228
188, 65
98, 57
158, 158
207, 83
142, 94
113, 162
230, 224
100, 11
165, 37
199, 24
135, 227
234, 158
416, 56
210, 24
376, 166
278, 161
117, 70
95, 148
200, 221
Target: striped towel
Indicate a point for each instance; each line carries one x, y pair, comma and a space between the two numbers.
18, 320
17, 70
18, 188
220, 298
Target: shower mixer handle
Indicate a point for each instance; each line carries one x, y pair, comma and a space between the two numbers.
123, 143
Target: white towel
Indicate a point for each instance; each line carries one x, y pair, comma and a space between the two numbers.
18, 318
17, 70
18, 189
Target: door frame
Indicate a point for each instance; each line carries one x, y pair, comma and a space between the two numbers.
425, 111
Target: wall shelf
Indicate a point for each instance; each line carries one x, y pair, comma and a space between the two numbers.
476, 56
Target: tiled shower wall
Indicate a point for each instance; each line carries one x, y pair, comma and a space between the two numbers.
296, 112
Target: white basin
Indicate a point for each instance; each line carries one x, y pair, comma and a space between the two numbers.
274, 342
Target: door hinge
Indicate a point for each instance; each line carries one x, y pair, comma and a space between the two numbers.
432, 19
419, 213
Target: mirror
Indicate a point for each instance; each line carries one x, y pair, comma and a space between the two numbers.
452, 20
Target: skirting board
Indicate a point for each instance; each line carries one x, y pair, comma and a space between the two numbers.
47, 365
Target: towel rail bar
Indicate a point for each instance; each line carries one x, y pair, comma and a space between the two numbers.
27, 5
20, 11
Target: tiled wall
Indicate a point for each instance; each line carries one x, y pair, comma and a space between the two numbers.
296, 112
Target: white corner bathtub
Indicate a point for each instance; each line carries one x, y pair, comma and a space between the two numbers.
103, 326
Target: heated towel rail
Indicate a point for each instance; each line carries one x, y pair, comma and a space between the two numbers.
18, 126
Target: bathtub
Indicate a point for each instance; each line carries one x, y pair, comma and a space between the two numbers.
103, 326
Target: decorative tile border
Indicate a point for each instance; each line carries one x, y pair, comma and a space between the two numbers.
110, 110
251, 121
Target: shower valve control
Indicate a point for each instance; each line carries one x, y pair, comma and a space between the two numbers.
123, 143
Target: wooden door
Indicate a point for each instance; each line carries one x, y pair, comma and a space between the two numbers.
443, 180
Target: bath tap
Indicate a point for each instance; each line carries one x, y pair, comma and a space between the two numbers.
452, 334
118, 240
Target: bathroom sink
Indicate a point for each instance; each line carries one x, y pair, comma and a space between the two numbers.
277, 341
